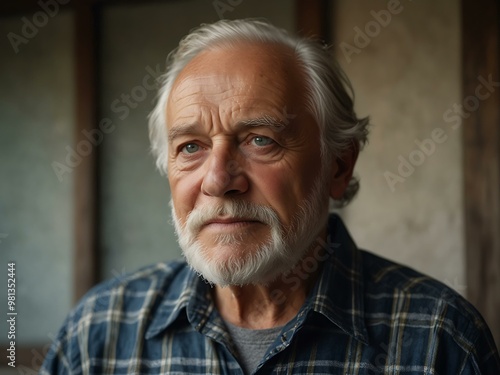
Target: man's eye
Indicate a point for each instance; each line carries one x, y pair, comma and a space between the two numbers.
262, 141
190, 148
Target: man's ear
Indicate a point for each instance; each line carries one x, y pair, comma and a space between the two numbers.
342, 169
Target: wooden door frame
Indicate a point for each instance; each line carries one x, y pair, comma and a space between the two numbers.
481, 164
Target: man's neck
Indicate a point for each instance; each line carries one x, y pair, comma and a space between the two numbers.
264, 306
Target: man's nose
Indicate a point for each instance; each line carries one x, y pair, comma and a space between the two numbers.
224, 175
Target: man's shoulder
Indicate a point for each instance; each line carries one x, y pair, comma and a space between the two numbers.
414, 295
383, 276
141, 278
402, 302
385, 279
133, 290
128, 300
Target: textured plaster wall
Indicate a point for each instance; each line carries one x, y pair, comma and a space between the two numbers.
406, 75
36, 123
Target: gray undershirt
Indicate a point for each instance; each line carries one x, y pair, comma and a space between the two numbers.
252, 344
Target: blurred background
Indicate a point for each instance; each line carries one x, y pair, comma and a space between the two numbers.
81, 201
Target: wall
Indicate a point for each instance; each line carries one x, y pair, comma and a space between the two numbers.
406, 74
36, 123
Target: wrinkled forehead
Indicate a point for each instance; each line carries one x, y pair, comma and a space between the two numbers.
260, 71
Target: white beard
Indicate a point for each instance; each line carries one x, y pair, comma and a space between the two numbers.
264, 262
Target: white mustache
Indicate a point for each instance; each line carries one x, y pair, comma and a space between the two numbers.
231, 209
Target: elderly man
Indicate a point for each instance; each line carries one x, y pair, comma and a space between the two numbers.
256, 131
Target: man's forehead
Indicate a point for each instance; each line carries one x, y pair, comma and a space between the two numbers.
230, 92
245, 56
238, 65
248, 72
214, 83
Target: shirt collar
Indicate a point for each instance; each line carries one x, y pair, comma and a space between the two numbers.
339, 291
338, 294
187, 296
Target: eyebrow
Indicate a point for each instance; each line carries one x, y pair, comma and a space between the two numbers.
274, 123
180, 130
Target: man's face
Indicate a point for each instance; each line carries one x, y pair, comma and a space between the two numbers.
244, 160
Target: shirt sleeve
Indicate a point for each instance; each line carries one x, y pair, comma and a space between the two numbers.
484, 359
63, 356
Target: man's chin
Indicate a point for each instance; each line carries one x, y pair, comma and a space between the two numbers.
259, 269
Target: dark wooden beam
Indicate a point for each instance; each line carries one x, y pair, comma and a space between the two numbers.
481, 140
313, 18
23, 7
86, 270
33, 6
20, 6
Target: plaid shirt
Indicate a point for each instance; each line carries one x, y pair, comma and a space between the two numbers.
366, 315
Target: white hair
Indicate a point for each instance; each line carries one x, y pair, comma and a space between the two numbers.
329, 94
